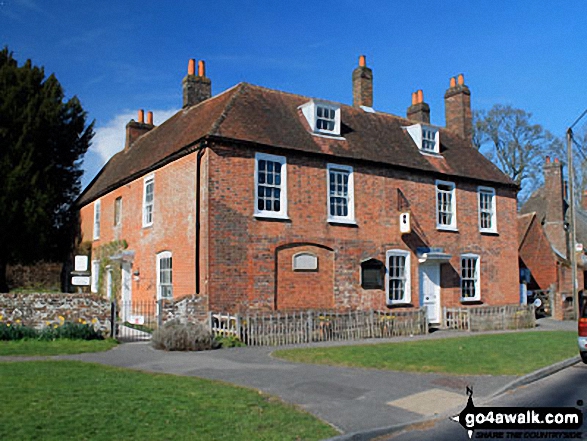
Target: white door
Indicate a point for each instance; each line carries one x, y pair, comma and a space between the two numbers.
126, 299
430, 291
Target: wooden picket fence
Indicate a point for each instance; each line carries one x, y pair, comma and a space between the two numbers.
486, 318
296, 327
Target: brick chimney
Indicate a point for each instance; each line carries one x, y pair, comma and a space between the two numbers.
419, 111
196, 88
136, 129
555, 205
362, 84
457, 107
584, 200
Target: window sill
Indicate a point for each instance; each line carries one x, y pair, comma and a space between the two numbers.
470, 300
329, 135
447, 228
431, 153
398, 303
342, 221
147, 226
271, 216
489, 232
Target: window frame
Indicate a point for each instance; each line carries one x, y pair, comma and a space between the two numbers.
310, 111
493, 209
477, 278
453, 192
161, 256
97, 219
350, 217
282, 213
118, 211
407, 297
95, 276
416, 131
146, 181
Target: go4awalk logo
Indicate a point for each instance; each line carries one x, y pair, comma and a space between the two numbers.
515, 418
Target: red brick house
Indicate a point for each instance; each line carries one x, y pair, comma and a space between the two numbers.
260, 199
544, 239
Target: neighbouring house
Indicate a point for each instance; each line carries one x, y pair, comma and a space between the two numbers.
258, 199
544, 240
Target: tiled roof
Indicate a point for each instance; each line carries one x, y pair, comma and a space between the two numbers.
524, 222
271, 118
537, 205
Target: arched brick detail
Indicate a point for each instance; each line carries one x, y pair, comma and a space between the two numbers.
304, 289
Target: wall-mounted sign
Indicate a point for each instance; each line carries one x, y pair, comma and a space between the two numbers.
80, 280
404, 223
305, 262
136, 319
81, 263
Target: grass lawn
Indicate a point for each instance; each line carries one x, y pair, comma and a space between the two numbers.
496, 354
55, 347
66, 400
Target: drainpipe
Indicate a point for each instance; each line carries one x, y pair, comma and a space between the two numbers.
201, 152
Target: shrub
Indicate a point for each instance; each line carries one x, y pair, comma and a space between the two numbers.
229, 341
177, 336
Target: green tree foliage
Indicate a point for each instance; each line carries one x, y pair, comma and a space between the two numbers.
43, 138
507, 137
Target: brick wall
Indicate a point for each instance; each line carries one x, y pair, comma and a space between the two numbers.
244, 272
246, 261
173, 229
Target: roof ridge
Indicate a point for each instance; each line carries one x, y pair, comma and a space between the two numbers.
240, 87
527, 228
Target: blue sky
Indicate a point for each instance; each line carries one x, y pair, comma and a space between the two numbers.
121, 56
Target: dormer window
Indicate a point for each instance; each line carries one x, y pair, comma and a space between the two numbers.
323, 117
426, 137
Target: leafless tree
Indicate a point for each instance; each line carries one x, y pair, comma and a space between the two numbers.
507, 137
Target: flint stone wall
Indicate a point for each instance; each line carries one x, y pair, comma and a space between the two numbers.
41, 309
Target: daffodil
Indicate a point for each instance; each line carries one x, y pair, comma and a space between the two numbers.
94, 320
61, 318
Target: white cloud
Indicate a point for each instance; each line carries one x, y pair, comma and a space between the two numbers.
109, 139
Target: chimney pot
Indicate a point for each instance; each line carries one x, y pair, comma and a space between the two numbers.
196, 88
419, 111
556, 160
457, 107
150, 118
141, 116
192, 67
548, 159
362, 84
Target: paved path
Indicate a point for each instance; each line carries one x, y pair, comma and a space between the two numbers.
351, 399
